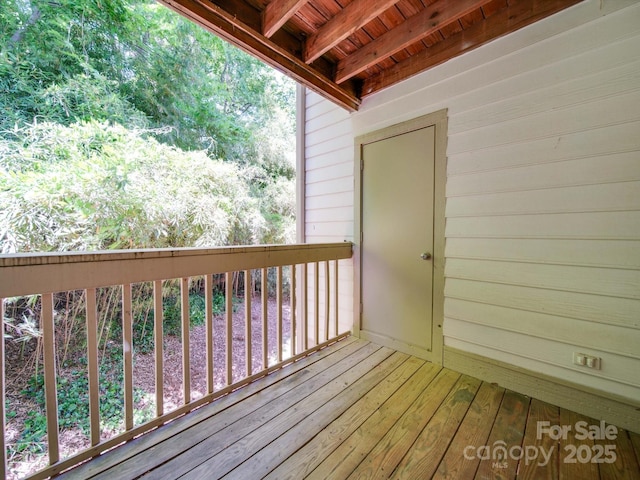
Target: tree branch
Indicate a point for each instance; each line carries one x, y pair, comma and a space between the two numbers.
17, 36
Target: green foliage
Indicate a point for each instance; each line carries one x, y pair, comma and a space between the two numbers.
73, 404
98, 186
133, 61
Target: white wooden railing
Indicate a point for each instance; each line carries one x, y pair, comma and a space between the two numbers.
48, 274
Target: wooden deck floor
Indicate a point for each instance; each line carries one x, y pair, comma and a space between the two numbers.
358, 410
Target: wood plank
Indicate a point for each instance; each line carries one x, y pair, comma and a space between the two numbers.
423, 457
414, 29
625, 466
311, 454
305, 306
570, 471
344, 459
508, 20
279, 313
158, 345
276, 14
248, 292
541, 451
208, 300
293, 313
264, 287
92, 364
327, 298
316, 303
508, 431
186, 355
388, 452
473, 432
351, 18
295, 427
127, 354
336, 295
272, 385
228, 296
181, 462
3, 413
50, 388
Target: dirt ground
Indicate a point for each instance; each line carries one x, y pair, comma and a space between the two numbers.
73, 440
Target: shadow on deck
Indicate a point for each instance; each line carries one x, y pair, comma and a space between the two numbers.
358, 410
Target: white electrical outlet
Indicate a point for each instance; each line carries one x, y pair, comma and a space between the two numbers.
585, 360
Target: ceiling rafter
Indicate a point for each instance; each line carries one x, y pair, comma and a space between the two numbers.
507, 20
353, 17
412, 30
276, 14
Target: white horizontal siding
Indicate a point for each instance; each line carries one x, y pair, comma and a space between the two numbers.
329, 214
543, 192
608, 197
595, 253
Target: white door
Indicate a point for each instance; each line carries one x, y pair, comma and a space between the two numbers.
397, 208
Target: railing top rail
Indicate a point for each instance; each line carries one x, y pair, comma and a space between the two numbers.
28, 274
49, 258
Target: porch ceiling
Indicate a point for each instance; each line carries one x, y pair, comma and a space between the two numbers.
348, 49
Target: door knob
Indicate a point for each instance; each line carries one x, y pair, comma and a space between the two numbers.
425, 256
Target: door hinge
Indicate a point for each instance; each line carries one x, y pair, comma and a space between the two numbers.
361, 164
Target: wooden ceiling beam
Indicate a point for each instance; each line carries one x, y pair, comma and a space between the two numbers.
508, 20
277, 13
353, 17
229, 27
414, 29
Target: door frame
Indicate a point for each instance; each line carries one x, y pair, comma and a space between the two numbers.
438, 120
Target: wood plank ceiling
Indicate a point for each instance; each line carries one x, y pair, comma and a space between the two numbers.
348, 49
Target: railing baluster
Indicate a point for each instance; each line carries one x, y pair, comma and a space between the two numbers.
279, 316
316, 299
186, 351
327, 293
265, 326
158, 318
208, 300
292, 315
335, 295
229, 326
305, 307
127, 354
92, 365
3, 416
50, 388
247, 321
